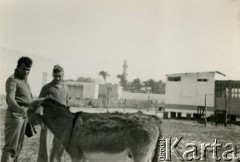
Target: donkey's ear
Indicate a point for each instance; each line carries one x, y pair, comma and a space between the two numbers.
40, 101
68, 108
40, 110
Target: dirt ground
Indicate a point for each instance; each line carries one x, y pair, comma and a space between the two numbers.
189, 130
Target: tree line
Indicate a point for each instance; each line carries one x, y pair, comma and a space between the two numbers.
135, 86
138, 86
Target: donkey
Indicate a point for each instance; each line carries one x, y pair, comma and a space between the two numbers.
99, 137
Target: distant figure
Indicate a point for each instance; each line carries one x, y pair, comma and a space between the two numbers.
58, 90
18, 98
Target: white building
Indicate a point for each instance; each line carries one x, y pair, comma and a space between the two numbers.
116, 90
185, 92
80, 90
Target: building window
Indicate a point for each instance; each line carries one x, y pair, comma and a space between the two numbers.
221, 90
202, 80
174, 79
235, 93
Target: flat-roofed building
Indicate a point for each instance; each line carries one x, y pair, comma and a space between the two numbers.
77, 91
186, 92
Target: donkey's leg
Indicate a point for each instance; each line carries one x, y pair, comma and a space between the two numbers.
140, 157
153, 153
141, 154
154, 150
148, 153
76, 155
77, 159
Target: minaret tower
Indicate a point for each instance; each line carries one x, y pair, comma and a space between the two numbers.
125, 66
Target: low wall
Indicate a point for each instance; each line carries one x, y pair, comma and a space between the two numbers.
143, 96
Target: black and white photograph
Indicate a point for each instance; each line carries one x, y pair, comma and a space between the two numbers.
119, 80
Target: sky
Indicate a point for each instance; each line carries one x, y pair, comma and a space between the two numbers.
156, 37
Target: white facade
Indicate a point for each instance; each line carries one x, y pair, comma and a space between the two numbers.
190, 89
79, 90
116, 90
90, 90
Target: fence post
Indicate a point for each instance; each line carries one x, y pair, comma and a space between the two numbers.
125, 105
205, 109
148, 103
156, 107
109, 100
227, 106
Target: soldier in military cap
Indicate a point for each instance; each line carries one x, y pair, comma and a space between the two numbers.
18, 97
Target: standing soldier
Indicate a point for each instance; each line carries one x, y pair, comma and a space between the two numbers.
18, 98
58, 90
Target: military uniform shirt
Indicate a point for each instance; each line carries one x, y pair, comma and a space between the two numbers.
52, 90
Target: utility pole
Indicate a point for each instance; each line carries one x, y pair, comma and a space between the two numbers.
205, 109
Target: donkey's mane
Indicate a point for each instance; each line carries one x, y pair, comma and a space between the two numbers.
106, 121
50, 101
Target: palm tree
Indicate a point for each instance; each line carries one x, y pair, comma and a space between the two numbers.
104, 74
148, 85
122, 81
152, 86
136, 85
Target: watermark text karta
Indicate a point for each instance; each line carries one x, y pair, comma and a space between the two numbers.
193, 151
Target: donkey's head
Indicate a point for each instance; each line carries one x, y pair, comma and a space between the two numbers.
35, 112
47, 108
